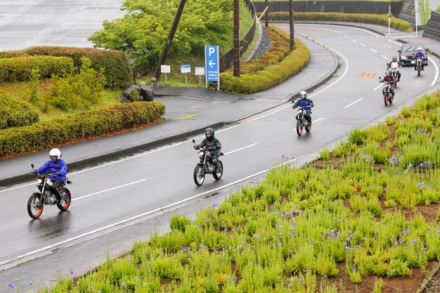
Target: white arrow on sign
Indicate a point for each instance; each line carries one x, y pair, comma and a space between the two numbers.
211, 63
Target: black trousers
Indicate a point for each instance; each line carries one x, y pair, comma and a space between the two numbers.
55, 188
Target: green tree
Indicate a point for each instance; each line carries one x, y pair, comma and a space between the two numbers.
141, 33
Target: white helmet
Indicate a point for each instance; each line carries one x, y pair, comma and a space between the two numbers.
303, 94
55, 153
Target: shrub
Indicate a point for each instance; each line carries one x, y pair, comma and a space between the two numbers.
15, 113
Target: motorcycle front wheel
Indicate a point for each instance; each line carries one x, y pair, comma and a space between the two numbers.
199, 175
299, 127
219, 172
419, 68
35, 206
65, 202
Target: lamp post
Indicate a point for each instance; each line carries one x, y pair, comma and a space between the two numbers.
389, 19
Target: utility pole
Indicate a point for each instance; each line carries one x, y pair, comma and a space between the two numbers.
266, 17
167, 45
236, 38
292, 30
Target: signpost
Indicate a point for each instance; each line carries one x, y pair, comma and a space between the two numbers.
185, 68
200, 71
212, 65
165, 69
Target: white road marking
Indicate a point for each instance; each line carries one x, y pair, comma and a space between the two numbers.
109, 189
237, 150
351, 104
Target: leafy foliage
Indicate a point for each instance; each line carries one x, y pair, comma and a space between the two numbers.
142, 32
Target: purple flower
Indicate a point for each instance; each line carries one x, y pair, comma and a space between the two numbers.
185, 248
11, 286
393, 161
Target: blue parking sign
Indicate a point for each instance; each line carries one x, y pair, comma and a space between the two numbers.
212, 63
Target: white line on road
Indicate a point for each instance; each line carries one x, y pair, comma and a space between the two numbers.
376, 88
109, 189
372, 50
351, 104
245, 147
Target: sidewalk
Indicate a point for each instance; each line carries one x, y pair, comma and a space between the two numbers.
190, 110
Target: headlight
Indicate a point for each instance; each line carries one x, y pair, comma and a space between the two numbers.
40, 181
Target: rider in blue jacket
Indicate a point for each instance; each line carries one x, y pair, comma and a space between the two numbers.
419, 54
306, 104
58, 168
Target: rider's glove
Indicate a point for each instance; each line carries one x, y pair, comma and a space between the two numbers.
196, 147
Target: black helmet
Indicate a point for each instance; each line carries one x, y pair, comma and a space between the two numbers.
209, 132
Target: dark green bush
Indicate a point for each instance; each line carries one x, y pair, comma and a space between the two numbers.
20, 68
381, 19
114, 64
15, 113
274, 67
84, 125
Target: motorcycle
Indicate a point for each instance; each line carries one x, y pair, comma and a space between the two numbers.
44, 196
395, 77
205, 166
301, 122
387, 94
419, 66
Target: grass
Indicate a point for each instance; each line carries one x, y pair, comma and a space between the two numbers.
339, 224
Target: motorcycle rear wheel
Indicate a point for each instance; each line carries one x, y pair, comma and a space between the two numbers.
199, 175
219, 172
67, 199
35, 206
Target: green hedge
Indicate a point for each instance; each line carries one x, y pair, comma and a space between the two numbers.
381, 19
115, 65
86, 125
16, 113
20, 68
274, 67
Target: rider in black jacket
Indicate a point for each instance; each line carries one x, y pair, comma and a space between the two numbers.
213, 145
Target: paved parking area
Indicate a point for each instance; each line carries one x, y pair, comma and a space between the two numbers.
28, 23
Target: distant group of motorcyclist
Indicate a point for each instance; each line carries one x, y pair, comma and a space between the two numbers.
392, 74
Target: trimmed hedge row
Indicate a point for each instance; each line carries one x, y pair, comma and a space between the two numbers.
115, 65
272, 68
20, 68
15, 113
46, 134
381, 19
